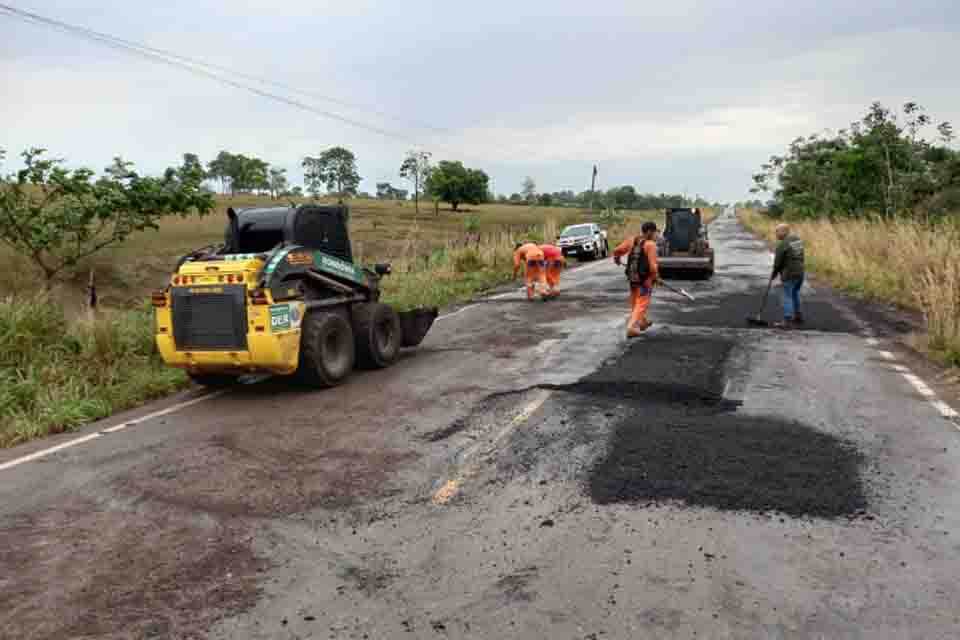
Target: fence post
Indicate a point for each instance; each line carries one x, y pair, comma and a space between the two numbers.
91, 297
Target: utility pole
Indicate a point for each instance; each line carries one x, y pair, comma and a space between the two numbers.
593, 187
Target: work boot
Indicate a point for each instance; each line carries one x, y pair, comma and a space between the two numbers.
798, 318
785, 325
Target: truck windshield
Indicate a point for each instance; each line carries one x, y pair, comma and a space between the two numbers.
581, 230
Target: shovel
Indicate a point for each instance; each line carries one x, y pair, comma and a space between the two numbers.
755, 319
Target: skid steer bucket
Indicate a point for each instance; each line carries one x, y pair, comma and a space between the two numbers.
415, 324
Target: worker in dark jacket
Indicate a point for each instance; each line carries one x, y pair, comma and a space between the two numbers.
788, 263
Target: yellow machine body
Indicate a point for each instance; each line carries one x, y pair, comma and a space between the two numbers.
214, 321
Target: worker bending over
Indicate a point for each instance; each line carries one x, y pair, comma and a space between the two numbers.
530, 255
642, 273
555, 264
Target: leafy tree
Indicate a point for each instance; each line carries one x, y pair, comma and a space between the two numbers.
624, 197
386, 191
529, 190
191, 171
545, 199
880, 164
239, 173
217, 169
454, 183
297, 191
335, 168
278, 182
416, 168
56, 216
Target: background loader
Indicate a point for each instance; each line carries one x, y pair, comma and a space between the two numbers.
282, 295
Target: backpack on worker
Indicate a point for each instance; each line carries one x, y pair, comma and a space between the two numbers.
638, 265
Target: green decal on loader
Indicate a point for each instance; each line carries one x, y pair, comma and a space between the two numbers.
280, 317
339, 267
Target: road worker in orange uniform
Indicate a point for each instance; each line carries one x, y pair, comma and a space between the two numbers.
555, 264
642, 272
530, 255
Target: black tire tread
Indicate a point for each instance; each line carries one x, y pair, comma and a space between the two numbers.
365, 317
312, 371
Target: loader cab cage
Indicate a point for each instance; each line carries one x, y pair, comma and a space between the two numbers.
683, 228
259, 230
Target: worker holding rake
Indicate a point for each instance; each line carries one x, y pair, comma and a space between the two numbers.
555, 264
529, 255
642, 272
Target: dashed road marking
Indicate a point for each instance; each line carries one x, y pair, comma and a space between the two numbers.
946, 410
921, 387
451, 488
103, 432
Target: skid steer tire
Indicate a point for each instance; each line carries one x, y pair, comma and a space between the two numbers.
378, 334
327, 353
213, 380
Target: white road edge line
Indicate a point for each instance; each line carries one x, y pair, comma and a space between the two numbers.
918, 385
92, 436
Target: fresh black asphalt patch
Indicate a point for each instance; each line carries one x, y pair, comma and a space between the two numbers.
688, 447
729, 462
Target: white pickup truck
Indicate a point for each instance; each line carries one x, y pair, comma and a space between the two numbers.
584, 241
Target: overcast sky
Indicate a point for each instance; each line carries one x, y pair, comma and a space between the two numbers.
667, 96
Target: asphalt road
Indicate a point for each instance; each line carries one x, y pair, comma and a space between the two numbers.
527, 473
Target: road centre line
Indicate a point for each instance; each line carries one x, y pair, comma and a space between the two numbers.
451, 488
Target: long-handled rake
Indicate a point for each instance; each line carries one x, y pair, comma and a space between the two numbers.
678, 291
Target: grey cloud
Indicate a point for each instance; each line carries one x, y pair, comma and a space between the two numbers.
662, 95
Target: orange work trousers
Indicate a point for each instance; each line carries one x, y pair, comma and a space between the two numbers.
553, 276
639, 303
536, 276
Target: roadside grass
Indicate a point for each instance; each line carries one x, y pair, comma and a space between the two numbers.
58, 372
908, 263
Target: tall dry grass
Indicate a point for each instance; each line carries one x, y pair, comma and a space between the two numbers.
905, 262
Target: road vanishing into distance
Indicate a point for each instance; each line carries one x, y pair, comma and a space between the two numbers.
527, 473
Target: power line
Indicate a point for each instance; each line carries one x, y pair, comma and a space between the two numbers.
209, 65
179, 62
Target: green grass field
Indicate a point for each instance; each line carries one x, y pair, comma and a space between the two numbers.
387, 231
